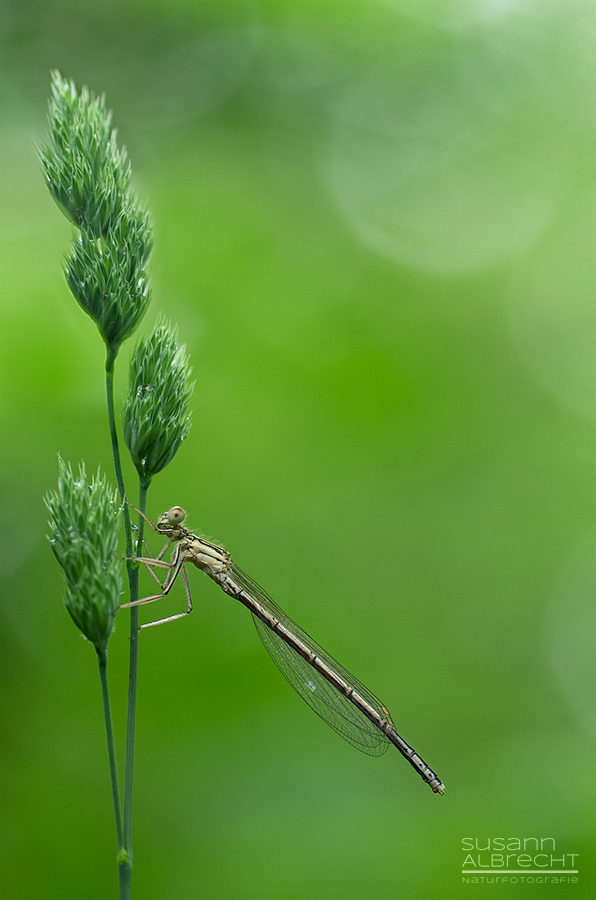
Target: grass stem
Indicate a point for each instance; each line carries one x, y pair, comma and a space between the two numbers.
125, 856
124, 864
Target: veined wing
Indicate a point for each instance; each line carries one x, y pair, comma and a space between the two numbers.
321, 695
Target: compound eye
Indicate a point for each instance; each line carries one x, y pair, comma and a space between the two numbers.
175, 516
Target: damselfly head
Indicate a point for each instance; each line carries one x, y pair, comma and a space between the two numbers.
172, 519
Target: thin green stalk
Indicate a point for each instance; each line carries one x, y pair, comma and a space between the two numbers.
125, 855
102, 656
132, 682
110, 360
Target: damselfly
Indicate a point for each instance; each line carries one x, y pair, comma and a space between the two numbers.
334, 694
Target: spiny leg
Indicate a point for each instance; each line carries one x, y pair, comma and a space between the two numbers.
161, 553
178, 615
174, 567
149, 561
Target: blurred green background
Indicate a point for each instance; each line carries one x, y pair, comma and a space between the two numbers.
375, 229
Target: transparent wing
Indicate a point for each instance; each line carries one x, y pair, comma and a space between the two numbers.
320, 694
